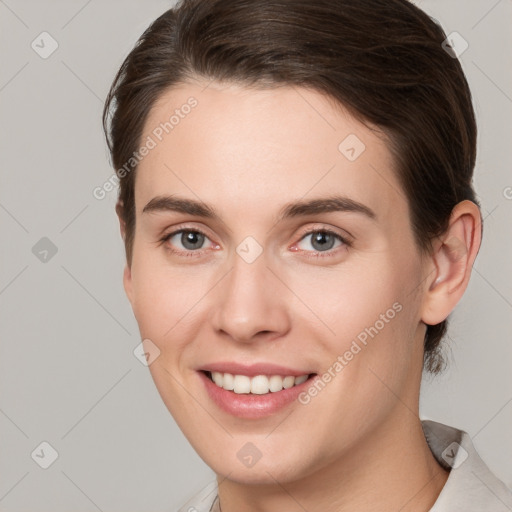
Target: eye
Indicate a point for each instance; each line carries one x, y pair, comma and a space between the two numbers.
190, 240
322, 240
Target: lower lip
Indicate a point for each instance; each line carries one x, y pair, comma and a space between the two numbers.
249, 405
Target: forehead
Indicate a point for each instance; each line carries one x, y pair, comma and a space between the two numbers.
253, 150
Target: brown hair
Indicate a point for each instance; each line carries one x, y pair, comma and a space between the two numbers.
381, 59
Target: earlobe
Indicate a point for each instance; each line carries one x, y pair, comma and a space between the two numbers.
453, 256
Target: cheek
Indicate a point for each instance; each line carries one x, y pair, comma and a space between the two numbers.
371, 311
171, 306
374, 317
163, 298
355, 298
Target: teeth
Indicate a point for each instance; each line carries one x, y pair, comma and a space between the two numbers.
275, 383
301, 379
258, 385
288, 382
217, 378
242, 384
228, 381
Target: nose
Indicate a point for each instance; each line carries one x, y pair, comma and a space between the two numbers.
251, 303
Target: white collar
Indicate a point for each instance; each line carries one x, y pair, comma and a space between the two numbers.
471, 486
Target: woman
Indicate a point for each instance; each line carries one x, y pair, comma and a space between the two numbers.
299, 222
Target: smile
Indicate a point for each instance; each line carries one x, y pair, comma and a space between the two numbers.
257, 385
253, 392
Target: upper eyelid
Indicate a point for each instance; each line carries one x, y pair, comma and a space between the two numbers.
345, 235
306, 232
345, 241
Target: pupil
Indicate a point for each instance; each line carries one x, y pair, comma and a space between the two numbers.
325, 240
192, 240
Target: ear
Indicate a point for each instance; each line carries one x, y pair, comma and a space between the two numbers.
127, 273
127, 283
453, 256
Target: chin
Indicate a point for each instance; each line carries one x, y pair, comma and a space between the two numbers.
266, 470
255, 475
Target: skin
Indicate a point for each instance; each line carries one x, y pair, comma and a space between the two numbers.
358, 444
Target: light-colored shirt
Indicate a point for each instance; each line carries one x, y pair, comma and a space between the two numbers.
471, 486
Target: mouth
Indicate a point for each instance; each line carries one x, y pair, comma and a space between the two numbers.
255, 385
254, 397
252, 391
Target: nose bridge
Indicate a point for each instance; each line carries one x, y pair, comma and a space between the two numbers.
249, 300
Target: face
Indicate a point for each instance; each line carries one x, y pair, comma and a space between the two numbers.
273, 245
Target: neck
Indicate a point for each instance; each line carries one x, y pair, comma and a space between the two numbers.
391, 469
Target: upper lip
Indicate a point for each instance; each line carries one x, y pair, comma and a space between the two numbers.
253, 369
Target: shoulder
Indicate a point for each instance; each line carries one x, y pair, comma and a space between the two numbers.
471, 485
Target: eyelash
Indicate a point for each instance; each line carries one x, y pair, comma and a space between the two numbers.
312, 254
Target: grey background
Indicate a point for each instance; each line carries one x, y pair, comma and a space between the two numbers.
68, 375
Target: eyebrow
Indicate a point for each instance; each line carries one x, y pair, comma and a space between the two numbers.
290, 210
